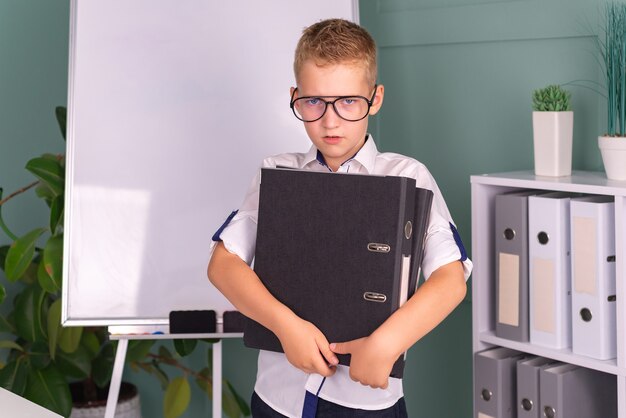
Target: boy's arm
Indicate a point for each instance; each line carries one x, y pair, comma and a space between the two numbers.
303, 343
373, 357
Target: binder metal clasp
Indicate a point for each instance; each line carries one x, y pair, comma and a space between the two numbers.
374, 297
378, 248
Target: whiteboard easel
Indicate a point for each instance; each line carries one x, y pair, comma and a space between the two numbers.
120, 358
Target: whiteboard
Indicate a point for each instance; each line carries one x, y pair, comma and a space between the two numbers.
172, 106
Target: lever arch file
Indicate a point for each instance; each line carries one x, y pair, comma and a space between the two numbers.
511, 227
549, 270
528, 403
571, 391
593, 277
494, 383
337, 250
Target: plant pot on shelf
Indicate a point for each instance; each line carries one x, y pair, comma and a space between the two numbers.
128, 405
552, 138
613, 150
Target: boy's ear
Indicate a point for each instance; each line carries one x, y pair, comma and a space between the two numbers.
291, 90
378, 99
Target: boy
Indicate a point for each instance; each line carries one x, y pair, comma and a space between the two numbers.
335, 71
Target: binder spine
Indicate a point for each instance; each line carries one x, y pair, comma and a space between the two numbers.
549, 270
404, 240
407, 218
593, 278
511, 259
423, 204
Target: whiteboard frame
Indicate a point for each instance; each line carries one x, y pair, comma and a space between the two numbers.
67, 319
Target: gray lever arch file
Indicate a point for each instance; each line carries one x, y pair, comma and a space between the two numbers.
569, 391
337, 250
495, 383
528, 403
511, 226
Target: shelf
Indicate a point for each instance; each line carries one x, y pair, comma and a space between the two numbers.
485, 188
564, 355
580, 182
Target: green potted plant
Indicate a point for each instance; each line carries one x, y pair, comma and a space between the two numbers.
553, 128
612, 48
62, 368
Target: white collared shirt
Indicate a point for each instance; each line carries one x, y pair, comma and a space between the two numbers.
281, 385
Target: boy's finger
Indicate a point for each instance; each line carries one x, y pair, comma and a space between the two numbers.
322, 368
330, 357
341, 348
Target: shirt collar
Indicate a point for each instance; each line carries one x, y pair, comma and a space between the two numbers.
366, 156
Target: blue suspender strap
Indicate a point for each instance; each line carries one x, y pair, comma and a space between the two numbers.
459, 243
310, 402
216, 236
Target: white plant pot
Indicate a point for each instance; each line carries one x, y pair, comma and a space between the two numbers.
613, 150
128, 408
552, 138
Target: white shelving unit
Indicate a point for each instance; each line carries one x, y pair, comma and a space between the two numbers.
484, 189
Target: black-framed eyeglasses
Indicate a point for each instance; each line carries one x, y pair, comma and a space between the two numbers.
350, 108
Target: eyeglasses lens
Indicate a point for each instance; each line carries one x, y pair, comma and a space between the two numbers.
310, 109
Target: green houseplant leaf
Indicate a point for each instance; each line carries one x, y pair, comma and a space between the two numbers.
45, 281
185, 347
231, 401
44, 192
48, 388
160, 375
204, 382
49, 171
39, 355
53, 259
61, 115
165, 353
56, 212
102, 366
54, 326
69, 338
20, 254
11, 344
4, 249
30, 275
177, 397
28, 313
241, 403
13, 376
90, 341
138, 349
76, 364
5, 326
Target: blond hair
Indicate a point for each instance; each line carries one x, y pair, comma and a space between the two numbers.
337, 41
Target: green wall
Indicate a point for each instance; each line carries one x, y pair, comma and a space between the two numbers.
458, 77
33, 80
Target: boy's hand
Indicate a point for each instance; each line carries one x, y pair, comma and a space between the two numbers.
371, 360
306, 347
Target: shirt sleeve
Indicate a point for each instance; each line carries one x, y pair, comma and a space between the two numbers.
443, 242
238, 233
